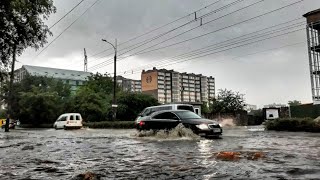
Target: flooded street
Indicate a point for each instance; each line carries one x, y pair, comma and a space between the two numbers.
121, 154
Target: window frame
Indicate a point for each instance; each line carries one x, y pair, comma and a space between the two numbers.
162, 113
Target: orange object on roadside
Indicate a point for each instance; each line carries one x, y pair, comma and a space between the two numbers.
228, 156
256, 155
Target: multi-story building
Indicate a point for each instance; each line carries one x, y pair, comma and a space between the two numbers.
71, 77
129, 85
313, 41
170, 86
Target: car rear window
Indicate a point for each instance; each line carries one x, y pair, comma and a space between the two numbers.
77, 117
184, 107
71, 117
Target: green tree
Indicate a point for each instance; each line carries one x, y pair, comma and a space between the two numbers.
91, 105
227, 102
131, 104
39, 107
93, 99
37, 99
294, 103
21, 26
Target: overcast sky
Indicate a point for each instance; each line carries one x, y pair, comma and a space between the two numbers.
271, 71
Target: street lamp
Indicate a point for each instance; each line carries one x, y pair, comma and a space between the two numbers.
114, 102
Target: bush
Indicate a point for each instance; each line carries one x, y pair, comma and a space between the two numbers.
293, 124
110, 124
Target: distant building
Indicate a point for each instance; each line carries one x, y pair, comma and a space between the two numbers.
129, 85
275, 105
169, 86
71, 77
250, 107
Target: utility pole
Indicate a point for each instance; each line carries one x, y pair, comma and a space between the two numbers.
114, 100
85, 61
9, 110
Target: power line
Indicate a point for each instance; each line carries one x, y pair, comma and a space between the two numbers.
66, 28
259, 52
165, 33
250, 38
219, 29
198, 51
66, 14
215, 11
223, 46
189, 29
272, 49
101, 64
160, 27
235, 47
153, 38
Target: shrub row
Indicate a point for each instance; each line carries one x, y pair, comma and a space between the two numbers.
110, 124
293, 124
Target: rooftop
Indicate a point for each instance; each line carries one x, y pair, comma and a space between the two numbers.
312, 12
57, 73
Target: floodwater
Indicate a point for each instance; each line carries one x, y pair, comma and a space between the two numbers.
122, 154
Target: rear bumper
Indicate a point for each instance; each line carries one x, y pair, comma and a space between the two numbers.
73, 127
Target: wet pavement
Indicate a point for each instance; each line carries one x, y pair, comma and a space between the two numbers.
122, 154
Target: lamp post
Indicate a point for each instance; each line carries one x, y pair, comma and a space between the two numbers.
114, 102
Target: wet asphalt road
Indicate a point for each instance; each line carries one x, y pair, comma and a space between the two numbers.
121, 154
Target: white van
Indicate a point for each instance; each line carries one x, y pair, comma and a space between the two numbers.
149, 110
68, 121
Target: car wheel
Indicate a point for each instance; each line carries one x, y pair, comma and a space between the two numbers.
55, 127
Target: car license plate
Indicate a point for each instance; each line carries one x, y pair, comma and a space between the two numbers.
216, 130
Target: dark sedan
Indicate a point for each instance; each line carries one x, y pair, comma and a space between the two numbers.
166, 120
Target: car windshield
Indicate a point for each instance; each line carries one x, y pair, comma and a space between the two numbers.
187, 115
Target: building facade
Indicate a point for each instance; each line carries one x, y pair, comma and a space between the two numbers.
129, 85
313, 41
169, 86
71, 77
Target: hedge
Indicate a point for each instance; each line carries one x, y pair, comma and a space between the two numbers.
110, 124
293, 124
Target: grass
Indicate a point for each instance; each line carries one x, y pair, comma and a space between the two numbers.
110, 125
293, 124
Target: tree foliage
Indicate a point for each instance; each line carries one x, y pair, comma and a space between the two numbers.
294, 103
94, 100
37, 100
40, 100
227, 101
131, 104
22, 26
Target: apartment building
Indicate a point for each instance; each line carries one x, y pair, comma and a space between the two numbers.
129, 85
169, 86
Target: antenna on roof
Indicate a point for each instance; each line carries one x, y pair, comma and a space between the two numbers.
85, 61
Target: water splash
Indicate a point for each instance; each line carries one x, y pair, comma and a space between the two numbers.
178, 132
227, 122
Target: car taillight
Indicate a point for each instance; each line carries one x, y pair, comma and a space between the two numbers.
141, 123
67, 122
